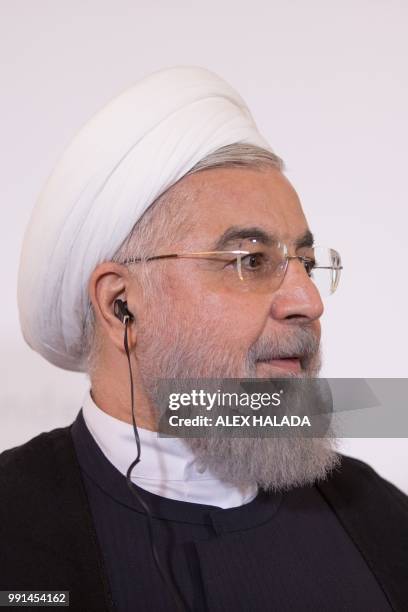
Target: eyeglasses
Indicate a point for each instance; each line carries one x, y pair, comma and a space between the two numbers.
260, 268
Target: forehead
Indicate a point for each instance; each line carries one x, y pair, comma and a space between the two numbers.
225, 197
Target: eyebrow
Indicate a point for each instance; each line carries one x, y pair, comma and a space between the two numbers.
235, 233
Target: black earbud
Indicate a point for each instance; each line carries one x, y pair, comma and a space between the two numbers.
121, 311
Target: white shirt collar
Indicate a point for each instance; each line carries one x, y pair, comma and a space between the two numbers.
167, 467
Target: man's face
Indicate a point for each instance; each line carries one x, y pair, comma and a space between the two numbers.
200, 324
228, 330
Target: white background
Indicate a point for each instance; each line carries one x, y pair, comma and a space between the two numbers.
327, 84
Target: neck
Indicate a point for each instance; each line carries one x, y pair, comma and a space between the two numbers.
110, 389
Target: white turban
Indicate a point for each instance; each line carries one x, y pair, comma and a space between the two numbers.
118, 164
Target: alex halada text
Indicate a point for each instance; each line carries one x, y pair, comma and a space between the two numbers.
238, 420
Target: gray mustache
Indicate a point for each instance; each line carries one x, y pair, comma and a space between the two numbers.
303, 344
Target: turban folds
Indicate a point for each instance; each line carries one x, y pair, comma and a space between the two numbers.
117, 165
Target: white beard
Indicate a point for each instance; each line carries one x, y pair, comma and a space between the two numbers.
277, 463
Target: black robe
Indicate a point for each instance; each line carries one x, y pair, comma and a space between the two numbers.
68, 522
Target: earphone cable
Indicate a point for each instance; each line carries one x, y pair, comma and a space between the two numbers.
165, 575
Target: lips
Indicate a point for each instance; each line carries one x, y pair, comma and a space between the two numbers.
289, 364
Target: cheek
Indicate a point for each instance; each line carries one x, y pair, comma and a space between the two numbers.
239, 318
222, 314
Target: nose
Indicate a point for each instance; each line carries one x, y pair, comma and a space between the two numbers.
297, 297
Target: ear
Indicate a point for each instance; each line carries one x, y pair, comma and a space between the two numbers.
108, 282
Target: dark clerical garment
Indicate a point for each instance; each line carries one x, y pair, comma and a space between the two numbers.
69, 522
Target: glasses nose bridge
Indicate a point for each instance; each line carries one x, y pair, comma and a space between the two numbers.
302, 260
291, 257
310, 286
288, 257
284, 266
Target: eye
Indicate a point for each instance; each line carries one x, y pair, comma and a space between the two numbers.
253, 261
309, 264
